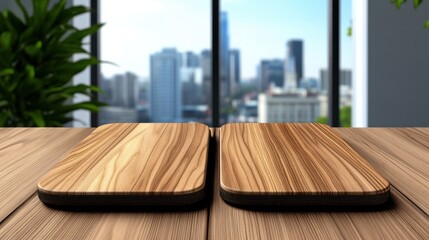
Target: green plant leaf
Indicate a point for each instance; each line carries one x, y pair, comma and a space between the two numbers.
37, 118
31, 72
39, 10
4, 21
6, 71
33, 50
79, 35
426, 25
77, 67
28, 34
15, 22
417, 3
3, 118
91, 106
398, 3
23, 10
53, 14
71, 12
6, 40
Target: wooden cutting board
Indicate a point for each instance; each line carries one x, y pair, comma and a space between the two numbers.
294, 164
145, 164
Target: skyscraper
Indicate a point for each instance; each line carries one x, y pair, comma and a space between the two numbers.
294, 54
206, 66
234, 69
224, 56
125, 90
165, 94
345, 79
270, 71
191, 60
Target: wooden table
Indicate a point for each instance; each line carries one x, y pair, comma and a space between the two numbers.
401, 155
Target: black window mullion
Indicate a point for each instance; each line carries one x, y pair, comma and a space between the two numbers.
95, 51
215, 62
334, 63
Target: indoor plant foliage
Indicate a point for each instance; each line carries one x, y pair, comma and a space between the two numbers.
36, 65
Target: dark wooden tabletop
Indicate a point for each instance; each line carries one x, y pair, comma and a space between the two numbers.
400, 154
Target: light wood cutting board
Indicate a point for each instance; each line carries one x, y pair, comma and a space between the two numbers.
145, 164
294, 164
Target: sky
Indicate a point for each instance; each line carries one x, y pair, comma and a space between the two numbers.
259, 29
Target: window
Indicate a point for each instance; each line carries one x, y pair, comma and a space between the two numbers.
275, 53
162, 56
270, 52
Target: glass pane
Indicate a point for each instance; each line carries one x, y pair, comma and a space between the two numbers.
161, 51
346, 62
273, 61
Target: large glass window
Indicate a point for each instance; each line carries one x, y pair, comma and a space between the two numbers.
162, 56
273, 61
346, 63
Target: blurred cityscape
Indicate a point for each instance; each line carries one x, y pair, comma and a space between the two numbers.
178, 88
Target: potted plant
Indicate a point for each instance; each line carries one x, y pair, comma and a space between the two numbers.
36, 65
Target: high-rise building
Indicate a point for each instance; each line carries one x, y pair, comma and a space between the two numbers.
234, 69
191, 60
288, 107
294, 60
345, 79
191, 78
106, 87
165, 86
206, 66
269, 72
125, 90
224, 56
291, 77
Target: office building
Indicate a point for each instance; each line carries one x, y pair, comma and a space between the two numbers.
288, 107
234, 69
345, 79
106, 86
294, 61
191, 60
270, 72
125, 90
165, 86
191, 79
206, 67
291, 77
224, 56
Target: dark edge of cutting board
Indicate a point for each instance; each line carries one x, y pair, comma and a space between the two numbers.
322, 200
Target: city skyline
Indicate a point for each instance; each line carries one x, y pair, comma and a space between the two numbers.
133, 55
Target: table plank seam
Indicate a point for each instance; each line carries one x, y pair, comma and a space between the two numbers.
10, 215
409, 200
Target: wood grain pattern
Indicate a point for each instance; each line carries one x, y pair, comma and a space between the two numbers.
134, 159
402, 221
400, 154
25, 155
36, 221
293, 159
